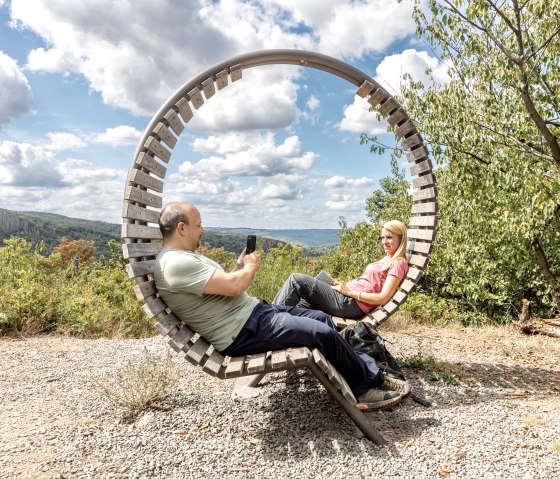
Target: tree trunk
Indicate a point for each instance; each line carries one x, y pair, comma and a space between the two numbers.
545, 270
528, 325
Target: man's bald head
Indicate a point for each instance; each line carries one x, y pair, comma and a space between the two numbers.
171, 215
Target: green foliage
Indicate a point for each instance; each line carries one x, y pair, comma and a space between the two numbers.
138, 385
435, 371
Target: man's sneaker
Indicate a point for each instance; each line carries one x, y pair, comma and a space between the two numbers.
377, 400
392, 383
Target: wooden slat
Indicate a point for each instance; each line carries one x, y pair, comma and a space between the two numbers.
208, 88
236, 72
340, 323
414, 274
390, 307
155, 147
195, 98
140, 213
184, 109
426, 180
148, 162
412, 141
422, 221
235, 367
222, 79
140, 268
418, 154
144, 290
389, 106
299, 356
143, 179
365, 89
417, 260
424, 194
420, 247
174, 122
378, 314
407, 128
399, 297
378, 96
166, 324
163, 133
418, 208
279, 359
129, 230
257, 362
138, 250
397, 117
153, 306
182, 337
408, 285
426, 235
136, 195
421, 167
214, 363
197, 351
336, 378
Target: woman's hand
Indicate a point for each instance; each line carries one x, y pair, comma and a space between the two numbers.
342, 288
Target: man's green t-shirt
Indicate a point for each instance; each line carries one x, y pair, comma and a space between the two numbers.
181, 277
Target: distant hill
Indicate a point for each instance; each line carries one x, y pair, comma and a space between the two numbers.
50, 228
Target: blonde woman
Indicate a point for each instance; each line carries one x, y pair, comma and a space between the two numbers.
376, 286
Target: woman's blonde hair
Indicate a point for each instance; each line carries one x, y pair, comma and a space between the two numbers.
399, 229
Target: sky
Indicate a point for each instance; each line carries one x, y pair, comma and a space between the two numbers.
80, 81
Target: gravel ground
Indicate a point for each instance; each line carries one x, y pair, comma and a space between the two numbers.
500, 420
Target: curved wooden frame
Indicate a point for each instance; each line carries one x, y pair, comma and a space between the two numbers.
143, 203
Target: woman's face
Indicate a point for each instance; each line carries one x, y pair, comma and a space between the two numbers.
390, 242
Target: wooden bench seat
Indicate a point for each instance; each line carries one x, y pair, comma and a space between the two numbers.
143, 203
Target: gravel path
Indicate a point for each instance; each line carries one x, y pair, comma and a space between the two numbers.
500, 420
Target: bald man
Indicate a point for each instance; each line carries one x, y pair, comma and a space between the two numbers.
214, 303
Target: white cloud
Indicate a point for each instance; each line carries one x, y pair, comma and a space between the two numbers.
120, 135
358, 119
313, 103
51, 61
15, 92
59, 141
392, 68
343, 183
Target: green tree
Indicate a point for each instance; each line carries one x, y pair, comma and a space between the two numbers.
495, 128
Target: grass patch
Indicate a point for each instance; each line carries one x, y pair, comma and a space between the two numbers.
435, 371
139, 385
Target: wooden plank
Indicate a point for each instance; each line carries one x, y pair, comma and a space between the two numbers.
417, 260
222, 79
378, 96
257, 362
421, 167
153, 306
155, 147
408, 128
129, 230
390, 307
320, 360
145, 289
166, 324
418, 208
140, 213
399, 297
208, 88
148, 162
197, 351
236, 72
414, 274
174, 122
408, 285
140, 268
426, 235
139, 178
397, 117
214, 363
139, 250
378, 314
136, 195
235, 367
389, 106
279, 359
412, 141
182, 337
426, 180
184, 109
299, 356
418, 154
340, 323
422, 221
195, 98
424, 194
420, 247
365, 89
163, 133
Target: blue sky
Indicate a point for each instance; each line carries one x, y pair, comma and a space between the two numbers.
79, 82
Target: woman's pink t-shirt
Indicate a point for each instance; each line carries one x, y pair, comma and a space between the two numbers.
373, 279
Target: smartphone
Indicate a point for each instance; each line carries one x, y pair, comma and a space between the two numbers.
251, 244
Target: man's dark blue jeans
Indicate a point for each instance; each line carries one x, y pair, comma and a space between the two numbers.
271, 327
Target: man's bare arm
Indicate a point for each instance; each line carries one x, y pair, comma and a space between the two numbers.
236, 282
